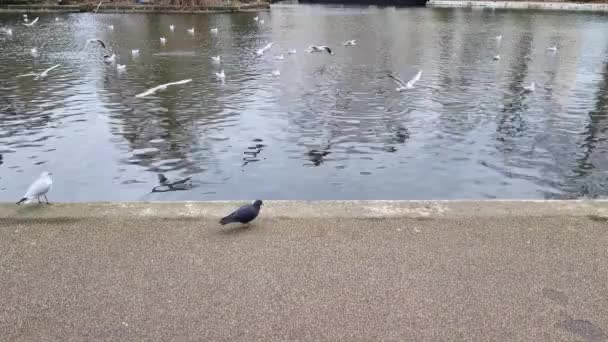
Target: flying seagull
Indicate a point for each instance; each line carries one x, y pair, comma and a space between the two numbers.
276, 73
180, 183
531, 88
135, 52
97, 8
256, 18
404, 85
109, 59
214, 30
34, 52
350, 42
42, 74
32, 23
216, 59
39, 188
261, 22
261, 51
244, 214
162, 87
499, 37
94, 40
121, 67
315, 48
220, 75
111, 27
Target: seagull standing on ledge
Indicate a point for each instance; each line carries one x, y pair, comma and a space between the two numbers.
39, 188
162, 87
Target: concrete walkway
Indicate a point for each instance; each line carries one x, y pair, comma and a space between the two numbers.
305, 271
525, 5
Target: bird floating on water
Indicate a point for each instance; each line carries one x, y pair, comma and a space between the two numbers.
220, 75
111, 27
244, 214
214, 30
135, 52
317, 48
497, 57
261, 51
34, 52
56, 19
162, 87
32, 23
172, 27
292, 52
276, 73
261, 22
403, 85
191, 30
43, 74
350, 42
552, 48
39, 188
216, 59
256, 18
109, 59
531, 88
163, 40
121, 67
279, 57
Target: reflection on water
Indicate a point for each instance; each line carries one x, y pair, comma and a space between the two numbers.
329, 127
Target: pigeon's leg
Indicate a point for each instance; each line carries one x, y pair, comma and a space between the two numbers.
47, 200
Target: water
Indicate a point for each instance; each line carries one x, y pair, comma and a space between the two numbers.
329, 127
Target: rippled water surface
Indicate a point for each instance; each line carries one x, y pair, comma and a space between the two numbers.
329, 127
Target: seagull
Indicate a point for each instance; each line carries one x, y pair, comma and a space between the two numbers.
109, 59
350, 42
409, 85
261, 22
292, 52
244, 214
315, 48
276, 73
135, 52
220, 75
163, 40
121, 67
191, 30
279, 57
497, 57
172, 27
216, 59
552, 48
162, 87
531, 88
97, 8
214, 30
499, 37
42, 74
39, 188
32, 23
25, 16
256, 18
261, 51
34, 52
94, 40
111, 27
179, 184
8, 31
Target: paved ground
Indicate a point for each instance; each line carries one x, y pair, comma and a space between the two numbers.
314, 271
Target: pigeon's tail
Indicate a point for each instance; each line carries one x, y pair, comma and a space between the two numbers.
226, 220
22, 200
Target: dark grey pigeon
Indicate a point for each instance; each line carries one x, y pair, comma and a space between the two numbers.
244, 214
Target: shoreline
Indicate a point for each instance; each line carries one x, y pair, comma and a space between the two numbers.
521, 5
132, 8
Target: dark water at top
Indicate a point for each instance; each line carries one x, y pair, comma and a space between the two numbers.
329, 127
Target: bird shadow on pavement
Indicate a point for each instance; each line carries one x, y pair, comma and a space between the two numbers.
237, 229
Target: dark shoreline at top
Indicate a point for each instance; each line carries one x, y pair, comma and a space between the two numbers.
132, 8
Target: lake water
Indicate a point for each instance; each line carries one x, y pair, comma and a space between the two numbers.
329, 127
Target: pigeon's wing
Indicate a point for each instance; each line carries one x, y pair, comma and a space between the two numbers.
38, 188
396, 79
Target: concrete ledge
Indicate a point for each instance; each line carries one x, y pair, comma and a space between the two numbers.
565, 6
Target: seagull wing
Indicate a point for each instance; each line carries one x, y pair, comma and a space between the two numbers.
51, 68
177, 82
101, 43
268, 46
149, 91
27, 75
32, 23
416, 78
397, 80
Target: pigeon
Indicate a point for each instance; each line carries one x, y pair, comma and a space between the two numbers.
39, 188
350, 42
216, 59
214, 30
172, 27
220, 75
315, 48
163, 40
162, 87
244, 214
32, 23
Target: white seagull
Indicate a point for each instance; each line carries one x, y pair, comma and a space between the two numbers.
497, 57
191, 30
316, 48
7, 31
279, 57
409, 85
109, 59
32, 23
350, 42
214, 30
34, 52
39, 188
552, 48
111, 27
163, 40
292, 52
216, 59
97, 8
94, 40
276, 73
261, 51
42, 74
220, 75
121, 67
531, 88
135, 52
499, 37
261, 22
256, 18
162, 87
172, 27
